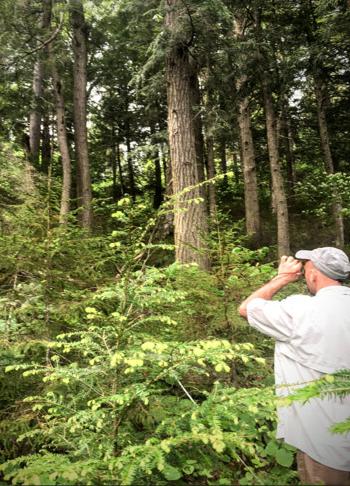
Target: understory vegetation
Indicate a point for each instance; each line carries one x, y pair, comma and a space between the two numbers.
114, 369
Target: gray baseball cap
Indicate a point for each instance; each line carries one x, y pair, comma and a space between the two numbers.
332, 262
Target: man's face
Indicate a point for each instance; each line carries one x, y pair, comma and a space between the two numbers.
309, 274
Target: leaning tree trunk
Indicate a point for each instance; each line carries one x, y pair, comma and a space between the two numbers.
327, 154
278, 190
190, 219
80, 130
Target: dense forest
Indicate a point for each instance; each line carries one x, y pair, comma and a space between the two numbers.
157, 158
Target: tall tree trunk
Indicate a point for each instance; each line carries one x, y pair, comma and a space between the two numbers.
35, 114
114, 164
320, 92
251, 197
158, 190
46, 144
120, 169
288, 145
190, 220
316, 68
132, 187
37, 90
62, 141
157, 180
80, 34
251, 194
278, 190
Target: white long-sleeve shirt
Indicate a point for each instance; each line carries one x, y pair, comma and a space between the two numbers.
312, 338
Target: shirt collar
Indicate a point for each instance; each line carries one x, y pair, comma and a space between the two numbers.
335, 289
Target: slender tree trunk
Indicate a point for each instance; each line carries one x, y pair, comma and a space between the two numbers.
158, 190
211, 175
327, 154
251, 194
190, 220
157, 181
80, 35
62, 141
35, 114
46, 144
289, 146
278, 190
114, 174
114, 165
251, 197
120, 169
37, 91
316, 70
132, 187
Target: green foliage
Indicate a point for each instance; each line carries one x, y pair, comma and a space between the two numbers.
316, 193
129, 380
335, 385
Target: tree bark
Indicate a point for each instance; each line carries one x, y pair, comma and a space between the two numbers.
120, 170
251, 196
316, 69
62, 141
114, 171
190, 219
278, 190
157, 180
328, 159
46, 145
158, 190
80, 34
197, 123
132, 187
37, 90
289, 146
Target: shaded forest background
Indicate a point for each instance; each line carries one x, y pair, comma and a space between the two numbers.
157, 158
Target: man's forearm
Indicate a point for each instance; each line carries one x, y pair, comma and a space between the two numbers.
266, 292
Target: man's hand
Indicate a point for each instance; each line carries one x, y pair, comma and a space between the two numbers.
291, 268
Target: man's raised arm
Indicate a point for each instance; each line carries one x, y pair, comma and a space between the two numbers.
289, 270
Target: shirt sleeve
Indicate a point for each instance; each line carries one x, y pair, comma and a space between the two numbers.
274, 318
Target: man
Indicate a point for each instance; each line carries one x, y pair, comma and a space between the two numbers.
312, 336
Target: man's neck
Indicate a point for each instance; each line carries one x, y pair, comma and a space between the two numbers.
329, 283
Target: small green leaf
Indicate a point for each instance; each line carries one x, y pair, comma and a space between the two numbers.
284, 458
171, 473
271, 448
